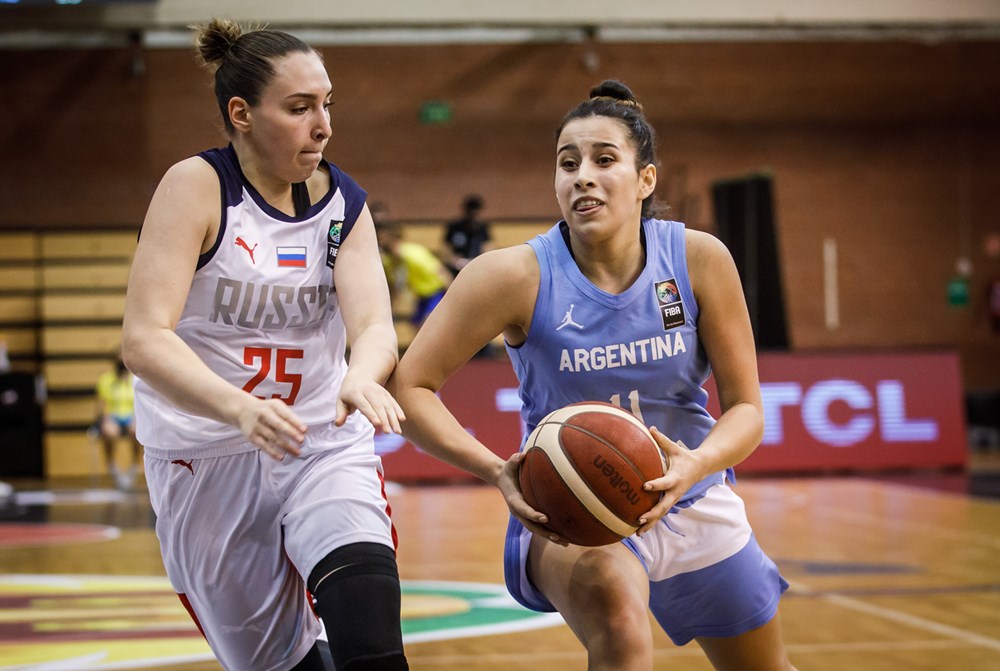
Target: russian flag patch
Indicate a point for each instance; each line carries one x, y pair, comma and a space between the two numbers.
291, 257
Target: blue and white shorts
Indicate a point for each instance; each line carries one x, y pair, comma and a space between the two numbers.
707, 574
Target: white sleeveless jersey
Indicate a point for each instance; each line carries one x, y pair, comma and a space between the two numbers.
263, 313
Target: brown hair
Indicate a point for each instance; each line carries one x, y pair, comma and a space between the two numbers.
612, 98
242, 59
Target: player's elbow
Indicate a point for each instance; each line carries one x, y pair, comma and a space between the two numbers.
754, 420
138, 347
131, 352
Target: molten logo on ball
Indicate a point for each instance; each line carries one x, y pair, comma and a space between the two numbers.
615, 479
584, 467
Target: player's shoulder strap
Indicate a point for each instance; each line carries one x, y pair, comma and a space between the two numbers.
300, 198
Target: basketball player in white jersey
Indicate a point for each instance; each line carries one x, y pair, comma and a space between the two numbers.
614, 305
256, 267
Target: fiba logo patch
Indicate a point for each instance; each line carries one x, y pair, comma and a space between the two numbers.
668, 298
333, 242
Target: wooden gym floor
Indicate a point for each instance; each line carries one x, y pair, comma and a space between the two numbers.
897, 572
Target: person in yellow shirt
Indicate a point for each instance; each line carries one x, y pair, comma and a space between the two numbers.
411, 266
116, 419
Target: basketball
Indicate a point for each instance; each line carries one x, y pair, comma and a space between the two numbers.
584, 467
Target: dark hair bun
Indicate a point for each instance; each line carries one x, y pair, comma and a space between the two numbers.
215, 40
612, 88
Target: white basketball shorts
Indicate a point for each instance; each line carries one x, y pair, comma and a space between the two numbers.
239, 535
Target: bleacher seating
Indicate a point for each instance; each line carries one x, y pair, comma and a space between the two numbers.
62, 297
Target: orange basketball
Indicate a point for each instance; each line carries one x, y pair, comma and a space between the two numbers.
584, 467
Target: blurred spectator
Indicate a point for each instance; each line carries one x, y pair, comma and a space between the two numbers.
409, 266
116, 419
467, 237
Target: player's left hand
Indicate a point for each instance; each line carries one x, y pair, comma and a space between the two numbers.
372, 400
684, 469
534, 520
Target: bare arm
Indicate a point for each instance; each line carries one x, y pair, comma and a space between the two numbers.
725, 332
364, 301
494, 294
180, 223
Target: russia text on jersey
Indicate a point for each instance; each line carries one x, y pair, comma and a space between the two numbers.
266, 306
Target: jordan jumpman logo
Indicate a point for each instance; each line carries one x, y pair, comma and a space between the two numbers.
568, 319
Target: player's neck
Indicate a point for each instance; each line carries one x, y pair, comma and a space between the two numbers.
275, 191
614, 264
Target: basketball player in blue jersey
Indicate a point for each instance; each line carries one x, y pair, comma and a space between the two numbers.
614, 305
259, 434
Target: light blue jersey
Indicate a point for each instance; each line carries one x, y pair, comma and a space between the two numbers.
638, 349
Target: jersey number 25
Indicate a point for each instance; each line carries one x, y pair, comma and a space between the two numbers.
280, 356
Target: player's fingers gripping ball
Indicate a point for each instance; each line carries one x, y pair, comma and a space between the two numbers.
584, 467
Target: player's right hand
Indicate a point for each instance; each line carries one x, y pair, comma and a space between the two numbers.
509, 486
272, 427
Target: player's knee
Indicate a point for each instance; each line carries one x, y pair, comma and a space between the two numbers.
602, 574
628, 632
357, 594
613, 591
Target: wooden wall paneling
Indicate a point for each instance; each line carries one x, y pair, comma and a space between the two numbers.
22, 341
19, 298
17, 279
75, 374
86, 275
71, 454
508, 234
82, 301
84, 246
70, 411
83, 307
505, 233
21, 309
85, 340
18, 246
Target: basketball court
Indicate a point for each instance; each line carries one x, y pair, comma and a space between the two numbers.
894, 572
845, 152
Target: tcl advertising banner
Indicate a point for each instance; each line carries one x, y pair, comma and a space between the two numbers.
822, 412
859, 411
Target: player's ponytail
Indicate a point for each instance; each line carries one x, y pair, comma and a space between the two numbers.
615, 92
212, 42
242, 59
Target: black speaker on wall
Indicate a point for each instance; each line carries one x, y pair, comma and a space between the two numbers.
744, 221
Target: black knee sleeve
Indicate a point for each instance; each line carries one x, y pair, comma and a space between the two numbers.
313, 661
357, 594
